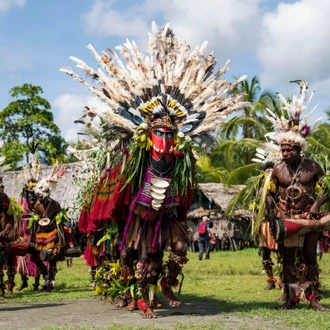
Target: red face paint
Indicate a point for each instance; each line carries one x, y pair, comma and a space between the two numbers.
163, 143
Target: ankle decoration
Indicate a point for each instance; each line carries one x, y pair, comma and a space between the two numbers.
271, 279
179, 260
164, 283
296, 300
142, 306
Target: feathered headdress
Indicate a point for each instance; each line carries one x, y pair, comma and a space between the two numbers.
172, 81
290, 128
172, 86
31, 174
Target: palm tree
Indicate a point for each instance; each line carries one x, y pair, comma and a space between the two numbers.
319, 144
251, 124
54, 151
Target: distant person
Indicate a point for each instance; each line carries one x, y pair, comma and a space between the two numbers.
204, 238
225, 243
213, 237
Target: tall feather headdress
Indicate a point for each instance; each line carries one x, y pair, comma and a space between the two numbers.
291, 127
171, 80
171, 83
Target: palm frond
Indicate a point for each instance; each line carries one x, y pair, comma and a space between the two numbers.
241, 174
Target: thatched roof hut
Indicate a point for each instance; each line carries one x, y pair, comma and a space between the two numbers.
213, 201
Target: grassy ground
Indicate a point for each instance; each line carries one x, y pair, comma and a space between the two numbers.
230, 281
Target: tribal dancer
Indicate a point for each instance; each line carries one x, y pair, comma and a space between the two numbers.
293, 194
158, 106
30, 264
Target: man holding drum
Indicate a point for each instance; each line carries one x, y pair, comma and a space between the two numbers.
293, 194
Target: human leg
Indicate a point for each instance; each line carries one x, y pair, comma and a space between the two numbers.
24, 283
207, 248
148, 271
290, 272
312, 271
267, 267
11, 271
201, 247
177, 259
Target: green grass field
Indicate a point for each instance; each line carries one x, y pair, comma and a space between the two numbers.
230, 281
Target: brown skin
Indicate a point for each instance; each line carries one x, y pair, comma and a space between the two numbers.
43, 208
295, 178
308, 175
7, 222
7, 235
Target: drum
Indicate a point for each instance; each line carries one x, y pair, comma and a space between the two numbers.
20, 248
72, 252
286, 228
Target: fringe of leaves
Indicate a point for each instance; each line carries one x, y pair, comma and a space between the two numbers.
261, 205
184, 168
111, 230
135, 167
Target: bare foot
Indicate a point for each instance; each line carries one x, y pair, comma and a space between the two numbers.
172, 300
132, 306
317, 307
287, 305
120, 303
270, 286
149, 314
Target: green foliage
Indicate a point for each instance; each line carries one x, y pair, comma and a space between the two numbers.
28, 119
55, 150
111, 229
184, 169
14, 152
61, 217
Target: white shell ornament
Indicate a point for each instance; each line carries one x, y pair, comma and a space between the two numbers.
44, 221
158, 190
157, 196
160, 183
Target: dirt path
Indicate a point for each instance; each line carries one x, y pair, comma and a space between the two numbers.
92, 313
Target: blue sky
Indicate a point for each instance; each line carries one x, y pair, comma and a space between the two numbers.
277, 40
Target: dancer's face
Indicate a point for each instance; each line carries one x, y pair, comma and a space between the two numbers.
163, 142
290, 154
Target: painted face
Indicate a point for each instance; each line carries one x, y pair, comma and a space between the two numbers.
31, 199
290, 154
163, 143
42, 191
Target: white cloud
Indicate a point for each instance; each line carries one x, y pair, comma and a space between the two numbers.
279, 40
5, 5
295, 42
103, 21
68, 108
228, 25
